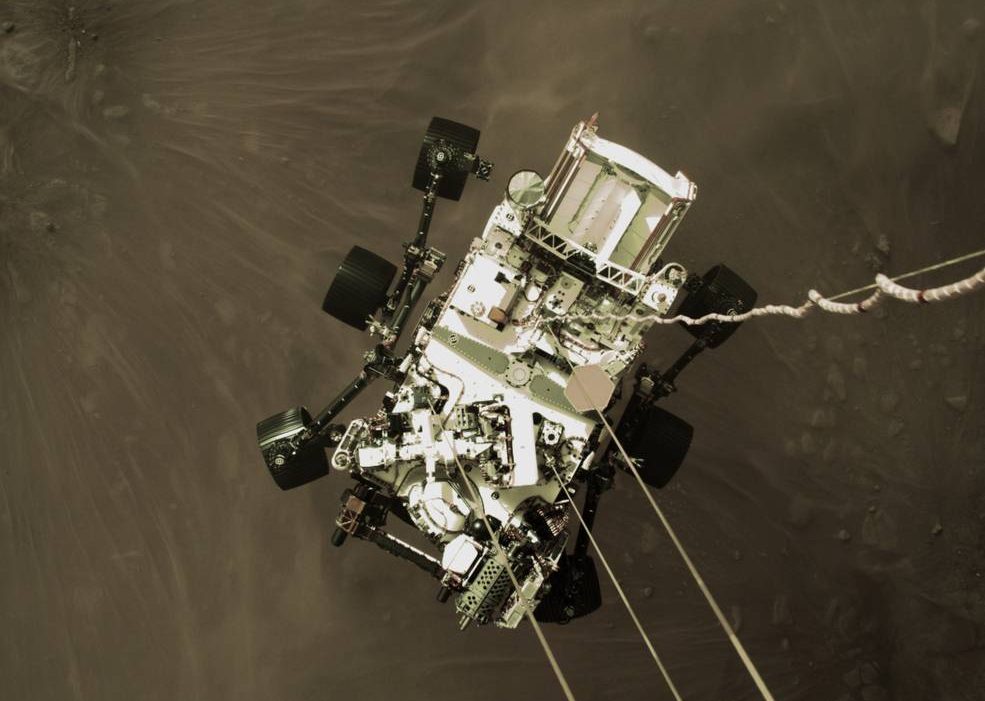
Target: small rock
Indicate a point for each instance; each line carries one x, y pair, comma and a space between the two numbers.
874, 693
647, 592
8, 27
869, 673
736, 619
945, 124
971, 27
807, 443
872, 509
830, 450
835, 384
937, 529
781, 611
116, 111
822, 418
889, 401
800, 512
916, 364
957, 402
859, 366
852, 678
895, 427
882, 245
844, 536
51, 227
785, 644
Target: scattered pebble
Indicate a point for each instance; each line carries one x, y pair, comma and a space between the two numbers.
8, 27
957, 402
895, 428
781, 611
937, 529
800, 512
73, 49
116, 111
822, 418
882, 245
859, 366
844, 536
872, 509
945, 124
807, 443
785, 644
150, 103
836, 383
852, 678
647, 592
971, 27
874, 693
869, 673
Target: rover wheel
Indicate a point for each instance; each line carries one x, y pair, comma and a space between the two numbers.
288, 467
658, 442
575, 591
359, 288
721, 291
459, 136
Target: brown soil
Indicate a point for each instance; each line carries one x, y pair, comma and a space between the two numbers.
178, 180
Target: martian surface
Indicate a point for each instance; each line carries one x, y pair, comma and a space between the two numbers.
180, 179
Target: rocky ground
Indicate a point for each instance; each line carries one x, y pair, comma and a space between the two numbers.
178, 181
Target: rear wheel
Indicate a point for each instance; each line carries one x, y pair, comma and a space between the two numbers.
359, 288
290, 468
721, 291
461, 138
658, 443
574, 592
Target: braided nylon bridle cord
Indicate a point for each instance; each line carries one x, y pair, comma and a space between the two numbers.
883, 286
524, 602
733, 638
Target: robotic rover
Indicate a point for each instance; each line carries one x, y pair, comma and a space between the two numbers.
494, 415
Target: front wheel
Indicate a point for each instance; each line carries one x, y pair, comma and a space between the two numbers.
721, 291
574, 591
290, 467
